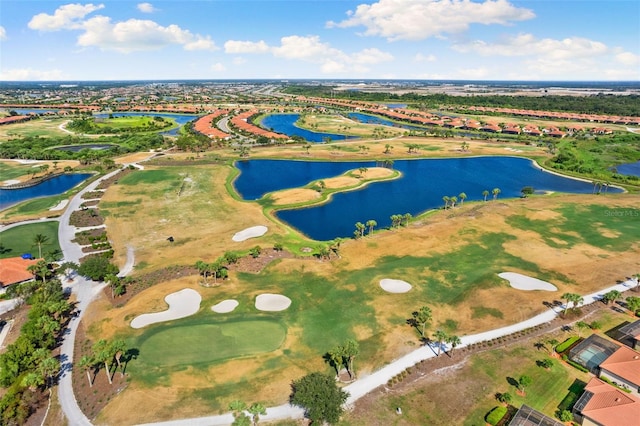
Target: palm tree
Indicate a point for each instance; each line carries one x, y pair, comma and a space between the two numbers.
40, 268
446, 200
371, 224
256, 410
611, 296
406, 217
485, 194
453, 199
350, 350
453, 341
422, 317
495, 192
40, 240
102, 354
574, 298
462, 197
387, 149
360, 229
439, 336
335, 357
49, 368
87, 363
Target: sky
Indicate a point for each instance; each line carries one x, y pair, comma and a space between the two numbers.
537, 40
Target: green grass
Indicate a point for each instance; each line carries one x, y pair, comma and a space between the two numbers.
12, 171
192, 344
584, 224
33, 206
19, 240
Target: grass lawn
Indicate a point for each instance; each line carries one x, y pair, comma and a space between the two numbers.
31, 208
39, 127
13, 170
19, 240
204, 341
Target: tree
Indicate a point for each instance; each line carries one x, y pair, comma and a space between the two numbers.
67, 269
103, 354
256, 410
255, 252
320, 397
462, 197
611, 296
113, 281
49, 368
371, 224
446, 200
453, 200
350, 350
566, 416
495, 192
574, 298
334, 356
87, 363
39, 240
553, 343
526, 191
523, 382
633, 304
546, 363
387, 148
454, 341
41, 269
422, 317
504, 397
360, 227
581, 325
97, 267
439, 336
485, 194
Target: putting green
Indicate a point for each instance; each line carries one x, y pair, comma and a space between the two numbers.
191, 344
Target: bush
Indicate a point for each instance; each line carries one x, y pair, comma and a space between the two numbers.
567, 344
495, 415
578, 366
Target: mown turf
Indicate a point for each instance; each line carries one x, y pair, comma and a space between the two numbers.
32, 207
19, 240
12, 171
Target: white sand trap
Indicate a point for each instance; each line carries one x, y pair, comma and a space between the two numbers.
182, 304
10, 182
272, 302
253, 232
395, 286
225, 306
523, 282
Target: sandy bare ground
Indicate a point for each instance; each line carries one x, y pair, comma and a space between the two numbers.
272, 302
225, 306
181, 304
394, 286
61, 205
253, 232
523, 282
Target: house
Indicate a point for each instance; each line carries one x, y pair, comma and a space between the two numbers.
14, 270
527, 416
623, 368
604, 405
632, 331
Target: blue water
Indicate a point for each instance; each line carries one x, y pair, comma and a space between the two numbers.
422, 186
395, 106
55, 186
631, 169
374, 119
285, 124
78, 148
181, 119
24, 111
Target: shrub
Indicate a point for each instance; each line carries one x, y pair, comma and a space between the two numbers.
567, 344
578, 366
495, 415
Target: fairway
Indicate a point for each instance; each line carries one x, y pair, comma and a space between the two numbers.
192, 344
19, 240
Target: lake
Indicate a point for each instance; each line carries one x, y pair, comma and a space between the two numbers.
54, 186
421, 188
285, 124
630, 169
181, 119
78, 148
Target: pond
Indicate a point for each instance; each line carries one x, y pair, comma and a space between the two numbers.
53, 186
285, 124
181, 119
78, 148
422, 186
374, 119
630, 169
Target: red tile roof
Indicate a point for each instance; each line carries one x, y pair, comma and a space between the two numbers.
13, 270
624, 363
610, 406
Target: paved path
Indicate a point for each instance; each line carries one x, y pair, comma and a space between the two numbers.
85, 291
366, 384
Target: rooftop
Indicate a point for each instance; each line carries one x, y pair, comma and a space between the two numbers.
607, 405
13, 270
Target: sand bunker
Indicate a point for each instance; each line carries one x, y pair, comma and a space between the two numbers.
272, 302
182, 304
253, 232
395, 286
523, 282
225, 306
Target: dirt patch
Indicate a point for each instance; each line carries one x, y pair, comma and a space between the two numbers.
85, 218
257, 264
106, 183
294, 196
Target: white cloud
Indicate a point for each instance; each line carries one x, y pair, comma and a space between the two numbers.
308, 48
66, 17
3, 33
419, 57
628, 58
136, 34
528, 45
28, 74
371, 56
146, 8
421, 19
218, 67
239, 60
236, 46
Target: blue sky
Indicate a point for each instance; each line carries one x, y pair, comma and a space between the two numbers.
321, 39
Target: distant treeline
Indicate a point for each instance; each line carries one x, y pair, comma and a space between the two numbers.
622, 105
41, 148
